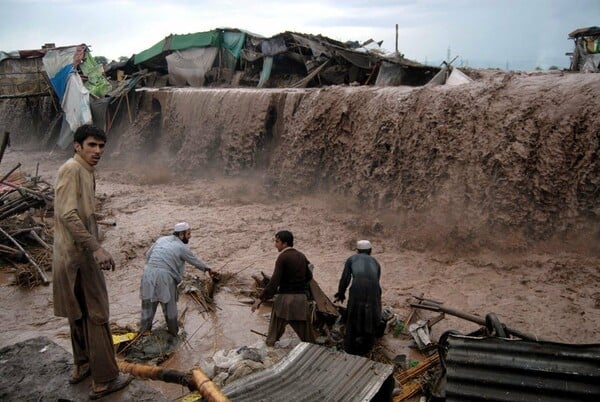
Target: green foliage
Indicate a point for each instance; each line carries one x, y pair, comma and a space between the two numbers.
552, 68
398, 327
101, 60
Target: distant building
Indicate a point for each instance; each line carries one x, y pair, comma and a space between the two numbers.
586, 55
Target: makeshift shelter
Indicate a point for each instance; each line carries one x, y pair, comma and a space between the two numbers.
226, 56
189, 58
71, 76
586, 55
22, 75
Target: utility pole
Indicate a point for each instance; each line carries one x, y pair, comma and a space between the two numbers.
396, 39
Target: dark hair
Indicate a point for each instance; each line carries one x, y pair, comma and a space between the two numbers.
364, 251
87, 130
286, 237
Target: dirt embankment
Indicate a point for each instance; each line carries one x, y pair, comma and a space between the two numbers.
501, 162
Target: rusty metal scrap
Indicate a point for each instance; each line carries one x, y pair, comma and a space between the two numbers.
433, 305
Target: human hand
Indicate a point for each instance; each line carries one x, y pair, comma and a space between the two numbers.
104, 260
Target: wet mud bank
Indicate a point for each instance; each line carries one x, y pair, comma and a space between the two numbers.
503, 161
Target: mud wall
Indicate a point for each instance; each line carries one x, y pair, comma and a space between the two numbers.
29, 120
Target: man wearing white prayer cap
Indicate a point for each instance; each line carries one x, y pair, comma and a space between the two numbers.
165, 264
364, 299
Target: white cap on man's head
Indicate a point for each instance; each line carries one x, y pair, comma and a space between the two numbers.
363, 245
181, 227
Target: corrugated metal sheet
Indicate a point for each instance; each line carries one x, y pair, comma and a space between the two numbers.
497, 369
313, 373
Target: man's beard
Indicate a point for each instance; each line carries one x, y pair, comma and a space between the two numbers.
185, 240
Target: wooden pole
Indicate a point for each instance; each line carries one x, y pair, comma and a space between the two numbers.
4, 142
45, 280
39, 239
35, 194
6, 176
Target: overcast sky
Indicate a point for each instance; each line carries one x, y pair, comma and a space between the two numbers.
518, 34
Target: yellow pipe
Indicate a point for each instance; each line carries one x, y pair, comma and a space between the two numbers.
197, 382
207, 388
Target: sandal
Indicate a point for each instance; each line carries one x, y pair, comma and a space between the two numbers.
100, 390
80, 373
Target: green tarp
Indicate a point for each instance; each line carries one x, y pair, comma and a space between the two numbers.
230, 40
96, 82
178, 42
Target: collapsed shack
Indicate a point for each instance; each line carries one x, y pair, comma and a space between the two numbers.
76, 84
586, 54
83, 91
233, 57
22, 74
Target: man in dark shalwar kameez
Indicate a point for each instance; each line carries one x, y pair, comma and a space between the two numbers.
363, 314
289, 287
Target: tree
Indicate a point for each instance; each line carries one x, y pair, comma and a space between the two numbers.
101, 60
123, 58
552, 68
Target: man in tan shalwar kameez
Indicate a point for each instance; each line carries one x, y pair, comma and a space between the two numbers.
78, 281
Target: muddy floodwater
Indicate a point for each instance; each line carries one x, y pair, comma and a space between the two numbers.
483, 197
554, 295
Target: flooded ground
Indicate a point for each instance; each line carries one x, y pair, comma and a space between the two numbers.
482, 196
552, 294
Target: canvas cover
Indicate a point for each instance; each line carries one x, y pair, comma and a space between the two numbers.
189, 67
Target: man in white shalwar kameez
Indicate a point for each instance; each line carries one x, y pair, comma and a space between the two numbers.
165, 265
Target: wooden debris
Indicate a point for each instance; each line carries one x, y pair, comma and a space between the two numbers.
200, 289
414, 380
22, 239
41, 273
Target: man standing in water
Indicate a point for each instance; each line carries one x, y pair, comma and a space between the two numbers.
165, 265
289, 286
364, 301
79, 287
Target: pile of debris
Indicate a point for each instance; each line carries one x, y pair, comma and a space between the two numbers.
25, 237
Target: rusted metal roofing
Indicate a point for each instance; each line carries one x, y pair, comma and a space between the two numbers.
589, 31
499, 369
313, 373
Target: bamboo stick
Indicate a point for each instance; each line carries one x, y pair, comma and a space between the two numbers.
6, 176
4, 142
45, 280
36, 194
39, 239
